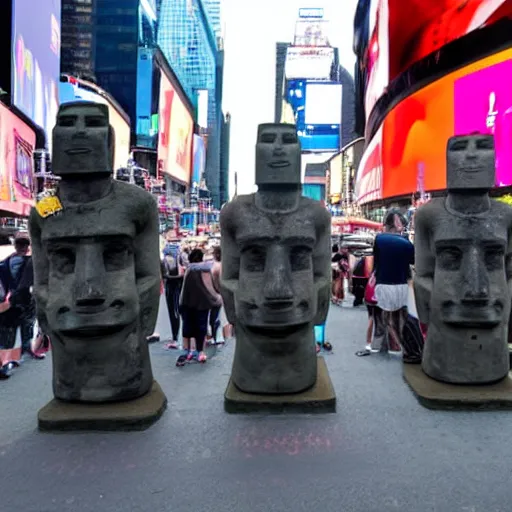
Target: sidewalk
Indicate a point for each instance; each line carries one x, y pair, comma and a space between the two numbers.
380, 452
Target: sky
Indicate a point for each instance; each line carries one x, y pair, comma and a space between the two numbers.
251, 30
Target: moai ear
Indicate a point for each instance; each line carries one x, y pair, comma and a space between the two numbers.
228, 298
324, 297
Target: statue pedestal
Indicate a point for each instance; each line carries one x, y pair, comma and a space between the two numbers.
321, 398
433, 394
138, 414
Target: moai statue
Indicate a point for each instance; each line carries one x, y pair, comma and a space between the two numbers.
97, 266
276, 270
463, 278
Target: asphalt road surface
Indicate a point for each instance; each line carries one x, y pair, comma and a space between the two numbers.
380, 452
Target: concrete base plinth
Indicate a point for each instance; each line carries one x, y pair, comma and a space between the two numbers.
321, 398
433, 394
138, 414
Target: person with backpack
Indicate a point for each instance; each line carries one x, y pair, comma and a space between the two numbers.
173, 271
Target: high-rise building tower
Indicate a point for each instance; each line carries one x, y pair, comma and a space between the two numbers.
213, 10
78, 43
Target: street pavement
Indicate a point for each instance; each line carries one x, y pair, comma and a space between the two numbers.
380, 452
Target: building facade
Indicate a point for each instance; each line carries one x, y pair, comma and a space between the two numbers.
189, 43
78, 46
108, 42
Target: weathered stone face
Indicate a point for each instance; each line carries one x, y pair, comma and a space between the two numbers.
470, 162
278, 155
94, 293
82, 140
463, 277
276, 287
97, 289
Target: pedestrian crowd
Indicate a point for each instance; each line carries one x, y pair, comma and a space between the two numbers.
379, 279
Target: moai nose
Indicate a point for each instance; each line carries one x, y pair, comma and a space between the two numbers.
89, 286
278, 277
476, 279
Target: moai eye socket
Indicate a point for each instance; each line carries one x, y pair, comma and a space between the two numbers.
117, 255
254, 258
459, 145
486, 143
290, 138
449, 258
267, 138
67, 121
494, 258
300, 258
62, 259
95, 122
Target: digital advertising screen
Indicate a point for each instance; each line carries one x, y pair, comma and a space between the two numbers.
311, 32
309, 62
483, 103
199, 160
319, 123
323, 103
176, 130
17, 143
36, 60
405, 32
408, 154
69, 92
335, 178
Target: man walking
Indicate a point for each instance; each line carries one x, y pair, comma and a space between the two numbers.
17, 279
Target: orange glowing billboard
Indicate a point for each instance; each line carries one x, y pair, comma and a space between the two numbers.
176, 130
408, 153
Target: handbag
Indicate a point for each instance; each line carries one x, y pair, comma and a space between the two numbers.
369, 291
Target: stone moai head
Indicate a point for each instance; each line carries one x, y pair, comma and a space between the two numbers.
94, 314
470, 162
278, 155
82, 139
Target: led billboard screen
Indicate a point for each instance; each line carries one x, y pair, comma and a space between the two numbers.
403, 33
73, 92
17, 143
176, 130
483, 103
36, 60
199, 160
323, 104
309, 62
311, 32
408, 154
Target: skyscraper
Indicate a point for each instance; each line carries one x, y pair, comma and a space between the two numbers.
78, 38
213, 10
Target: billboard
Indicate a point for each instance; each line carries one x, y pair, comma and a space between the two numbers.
489, 92
323, 104
176, 128
17, 143
335, 178
36, 60
69, 92
309, 62
199, 160
420, 27
311, 32
315, 108
408, 154
202, 108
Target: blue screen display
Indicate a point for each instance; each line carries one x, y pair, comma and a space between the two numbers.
317, 137
36, 60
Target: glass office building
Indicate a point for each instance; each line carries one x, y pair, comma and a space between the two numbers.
188, 41
78, 38
111, 43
